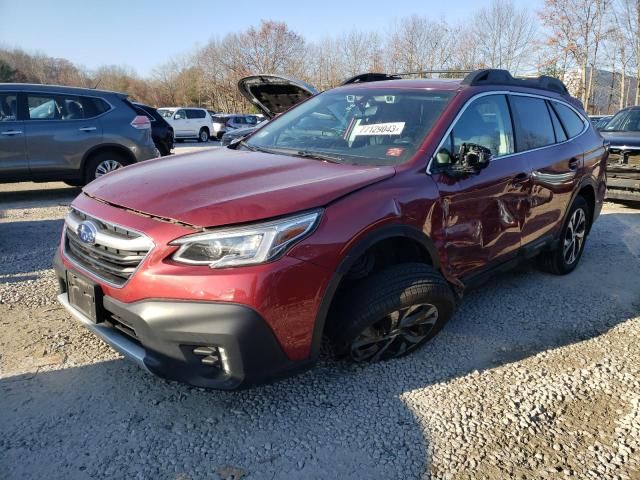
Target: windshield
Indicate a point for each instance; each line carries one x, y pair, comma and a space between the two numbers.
361, 126
625, 121
166, 113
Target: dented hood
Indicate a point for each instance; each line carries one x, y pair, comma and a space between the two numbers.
223, 187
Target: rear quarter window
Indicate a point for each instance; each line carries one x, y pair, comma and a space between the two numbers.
573, 124
532, 123
94, 106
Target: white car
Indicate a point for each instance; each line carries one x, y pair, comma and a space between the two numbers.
188, 122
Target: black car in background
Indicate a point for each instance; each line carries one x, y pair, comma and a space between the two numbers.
161, 131
622, 133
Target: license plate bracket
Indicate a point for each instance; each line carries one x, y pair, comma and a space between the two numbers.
85, 296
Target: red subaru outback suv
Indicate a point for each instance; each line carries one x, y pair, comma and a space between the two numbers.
360, 216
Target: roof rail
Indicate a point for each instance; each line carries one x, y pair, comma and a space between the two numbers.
369, 77
377, 77
494, 76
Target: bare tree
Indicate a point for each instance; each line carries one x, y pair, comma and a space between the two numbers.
418, 43
505, 35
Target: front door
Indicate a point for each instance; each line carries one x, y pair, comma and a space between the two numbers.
13, 155
484, 211
181, 124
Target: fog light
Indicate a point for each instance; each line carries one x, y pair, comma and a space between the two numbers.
213, 357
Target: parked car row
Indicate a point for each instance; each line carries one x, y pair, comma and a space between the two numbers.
70, 134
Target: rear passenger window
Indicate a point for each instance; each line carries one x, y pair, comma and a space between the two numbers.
8, 107
54, 107
532, 122
485, 122
573, 124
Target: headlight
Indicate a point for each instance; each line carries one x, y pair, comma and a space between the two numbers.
248, 245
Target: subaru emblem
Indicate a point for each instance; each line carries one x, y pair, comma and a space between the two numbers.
87, 232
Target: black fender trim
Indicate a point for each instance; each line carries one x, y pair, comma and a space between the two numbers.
370, 239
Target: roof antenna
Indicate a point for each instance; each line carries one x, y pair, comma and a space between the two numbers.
97, 83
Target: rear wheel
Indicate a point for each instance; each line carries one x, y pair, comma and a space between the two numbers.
103, 163
565, 257
392, 313
203, 135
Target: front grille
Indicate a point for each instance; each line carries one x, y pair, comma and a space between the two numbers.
114, 256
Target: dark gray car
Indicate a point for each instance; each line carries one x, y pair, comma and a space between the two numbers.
64, 133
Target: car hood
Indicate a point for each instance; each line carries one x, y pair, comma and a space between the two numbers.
274, 94
209, 189
618, 139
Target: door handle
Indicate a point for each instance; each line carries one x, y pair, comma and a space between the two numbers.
12, 132
573, 164
87, 129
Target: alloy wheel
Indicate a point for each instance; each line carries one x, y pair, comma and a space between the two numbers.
107, 166
204, 136
574, 236
398, 333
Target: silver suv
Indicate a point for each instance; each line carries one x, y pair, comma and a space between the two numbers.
71, 134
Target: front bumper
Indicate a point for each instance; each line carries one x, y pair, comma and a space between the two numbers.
161, 336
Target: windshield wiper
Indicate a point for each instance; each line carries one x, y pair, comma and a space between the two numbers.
253, 148
318, 156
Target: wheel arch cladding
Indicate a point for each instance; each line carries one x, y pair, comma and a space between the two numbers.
588, 192
370, 240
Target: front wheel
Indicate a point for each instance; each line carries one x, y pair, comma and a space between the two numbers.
392, 313
565, 256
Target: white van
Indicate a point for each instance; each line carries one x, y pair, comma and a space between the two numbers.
188, 122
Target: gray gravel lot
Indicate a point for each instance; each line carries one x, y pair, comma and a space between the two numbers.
535, 377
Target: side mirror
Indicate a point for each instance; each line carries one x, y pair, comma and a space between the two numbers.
471, 159
443, 157
178, 116
475, 156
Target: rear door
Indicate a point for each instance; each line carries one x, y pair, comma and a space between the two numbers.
544, 141
60, 129
13, 154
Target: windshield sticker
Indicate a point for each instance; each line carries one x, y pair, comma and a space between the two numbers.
394, 128
395, 151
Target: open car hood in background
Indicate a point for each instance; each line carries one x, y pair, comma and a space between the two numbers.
274, 94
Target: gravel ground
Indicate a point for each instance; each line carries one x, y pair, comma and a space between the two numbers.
535, 377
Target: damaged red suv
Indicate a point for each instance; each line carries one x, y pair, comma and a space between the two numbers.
359, 216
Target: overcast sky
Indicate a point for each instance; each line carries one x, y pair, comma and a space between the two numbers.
145, 33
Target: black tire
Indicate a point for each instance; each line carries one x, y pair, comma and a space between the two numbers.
203, 135
95, 165
163, 149
560, 261
179, 140
375, 306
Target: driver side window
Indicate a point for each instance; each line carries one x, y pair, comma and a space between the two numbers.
486, 122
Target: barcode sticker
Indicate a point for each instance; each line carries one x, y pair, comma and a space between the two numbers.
394, 128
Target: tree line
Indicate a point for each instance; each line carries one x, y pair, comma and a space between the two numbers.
569, 39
